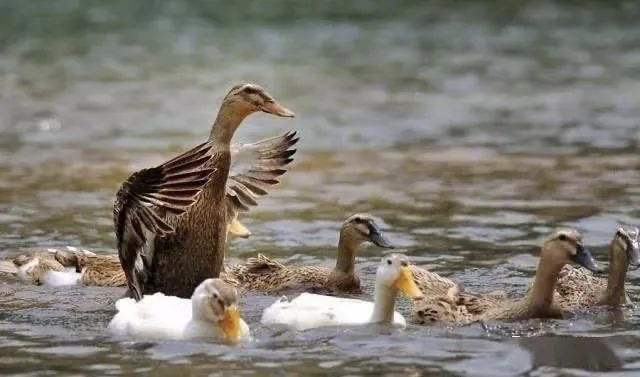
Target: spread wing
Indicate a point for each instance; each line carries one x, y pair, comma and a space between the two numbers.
145, 199
256, 166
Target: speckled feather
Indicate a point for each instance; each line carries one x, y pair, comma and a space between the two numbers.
262, 274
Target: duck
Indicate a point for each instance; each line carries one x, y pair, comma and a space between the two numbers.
171, 220
310, 310
96, 269
73, 266
44, 269
264, 275
212, 313
581, 289
446, 301
562, 247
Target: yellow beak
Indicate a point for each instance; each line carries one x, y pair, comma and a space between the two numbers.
406, 285
230, 323
236, 229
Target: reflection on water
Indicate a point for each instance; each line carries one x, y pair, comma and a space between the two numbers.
594, 354
470, 130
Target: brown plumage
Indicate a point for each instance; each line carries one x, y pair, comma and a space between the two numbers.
143, 204
31, 269
264, 275
99, 270
255, 167
562, 247
580, 289
176, 259
444, 300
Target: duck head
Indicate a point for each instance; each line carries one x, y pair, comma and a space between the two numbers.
394, 272
360, 228
625, 246
250, 98
565, 246
216, 302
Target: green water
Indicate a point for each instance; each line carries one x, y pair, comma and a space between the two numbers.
470, 130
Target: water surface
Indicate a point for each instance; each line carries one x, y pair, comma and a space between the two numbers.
470, 131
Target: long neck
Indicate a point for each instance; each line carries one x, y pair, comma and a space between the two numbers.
618, 265
383, 304
542, 293
229, 118
346, 259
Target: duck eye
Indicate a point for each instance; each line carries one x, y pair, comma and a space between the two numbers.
215, 296
562, 237
389, 261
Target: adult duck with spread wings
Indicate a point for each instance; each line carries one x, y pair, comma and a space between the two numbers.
171, 220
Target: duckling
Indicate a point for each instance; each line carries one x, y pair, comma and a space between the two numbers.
211, 313
267, 276
311, 311
562, 247
580, 289
186, 231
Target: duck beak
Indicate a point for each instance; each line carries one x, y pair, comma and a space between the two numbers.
583, 257
230, 323
277, 109
236, 229
406, 285
379, 240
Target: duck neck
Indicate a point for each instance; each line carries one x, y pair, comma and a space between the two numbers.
196, 313
229, 118
546, 276
618, 265
346, 258
383, 304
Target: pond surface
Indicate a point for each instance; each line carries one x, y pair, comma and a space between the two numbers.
470, 131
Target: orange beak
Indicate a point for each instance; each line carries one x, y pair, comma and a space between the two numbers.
230, 324
276, 109
406, 285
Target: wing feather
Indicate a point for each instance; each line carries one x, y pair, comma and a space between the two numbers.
145, 199
256, 166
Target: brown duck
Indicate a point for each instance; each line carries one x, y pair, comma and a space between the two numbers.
264, 275
561, 248
171, 221
580, 289
444, 301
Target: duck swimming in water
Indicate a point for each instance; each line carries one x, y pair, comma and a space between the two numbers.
580, 289
562, 247
311, 311
264, 275
211, 313
180, 239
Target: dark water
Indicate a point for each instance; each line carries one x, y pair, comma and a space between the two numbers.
471, 130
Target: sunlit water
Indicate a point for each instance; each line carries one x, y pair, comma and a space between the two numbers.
470, 131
